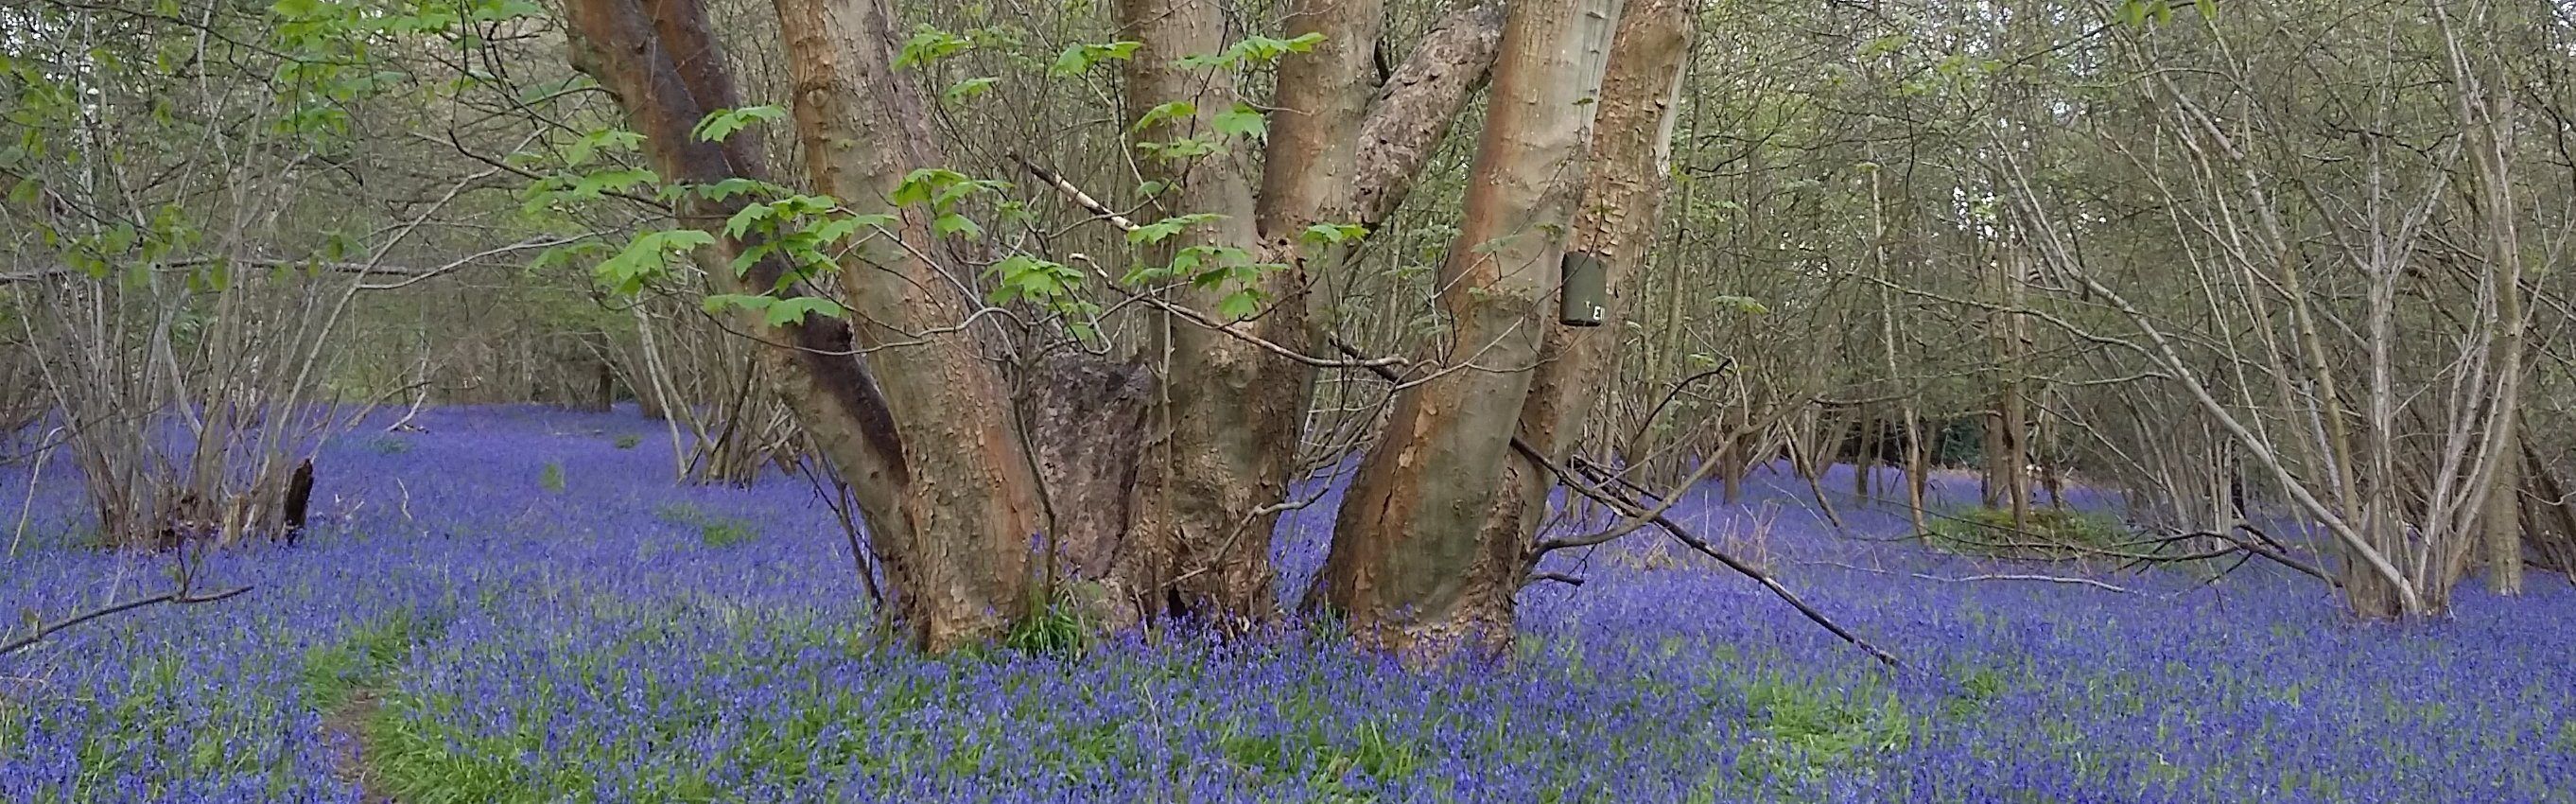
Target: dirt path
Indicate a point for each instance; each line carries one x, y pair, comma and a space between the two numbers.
344, 730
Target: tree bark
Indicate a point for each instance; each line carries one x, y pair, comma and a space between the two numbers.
658, 58
1414, 110
1222, 435
1631, 154
971, 503
1409, 568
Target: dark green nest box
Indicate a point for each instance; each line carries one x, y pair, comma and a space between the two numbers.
1584, 296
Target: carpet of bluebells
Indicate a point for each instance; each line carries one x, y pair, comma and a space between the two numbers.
518, 605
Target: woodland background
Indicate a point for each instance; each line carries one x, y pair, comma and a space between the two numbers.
2212, 257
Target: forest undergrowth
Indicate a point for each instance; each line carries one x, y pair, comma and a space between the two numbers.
516, 605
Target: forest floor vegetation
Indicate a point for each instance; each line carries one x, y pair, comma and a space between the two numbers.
517, 605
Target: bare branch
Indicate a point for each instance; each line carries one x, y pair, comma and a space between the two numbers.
178, 598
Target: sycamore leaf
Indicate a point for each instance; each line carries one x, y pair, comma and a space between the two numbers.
966, 90
722, 123
742, 222
1168, 110
1238, 305
1332, 234
736, 186
793, 311
592, 144
1079, 58
1242, 121
718, 303
1161, 230
953, 223
927, 45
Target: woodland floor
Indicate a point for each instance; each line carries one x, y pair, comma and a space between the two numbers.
518, 606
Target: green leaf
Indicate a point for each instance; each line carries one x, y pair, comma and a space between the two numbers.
1242, 121
966, 90
1168, 110
793, 311
953, 223
742, 222
922, 184
928, 45
643, 259
594, 186
1079, 58
1238, 305
719, 303
722, 123
737, 186
588, 145
1333, 234
1161, 230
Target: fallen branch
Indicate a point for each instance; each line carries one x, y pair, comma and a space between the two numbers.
179, 598
1684, 536
1630, 508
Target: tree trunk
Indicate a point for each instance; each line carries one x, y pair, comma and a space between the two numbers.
1631, 154
953, 585
1223, 433
971, 499
1410, 569
1222, 438
1089, 417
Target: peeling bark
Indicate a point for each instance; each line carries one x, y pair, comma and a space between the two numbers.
1414, 110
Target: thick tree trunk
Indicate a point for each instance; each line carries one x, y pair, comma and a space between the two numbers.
1413, 111
1222, 438
1409, 568
660, 61
971, 499
1631, 152
1090, 415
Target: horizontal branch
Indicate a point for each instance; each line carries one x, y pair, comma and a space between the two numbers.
179, 598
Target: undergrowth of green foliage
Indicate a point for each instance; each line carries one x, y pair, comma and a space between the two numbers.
2048, 533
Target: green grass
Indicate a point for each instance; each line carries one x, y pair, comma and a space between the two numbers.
2049, 533
714, 530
